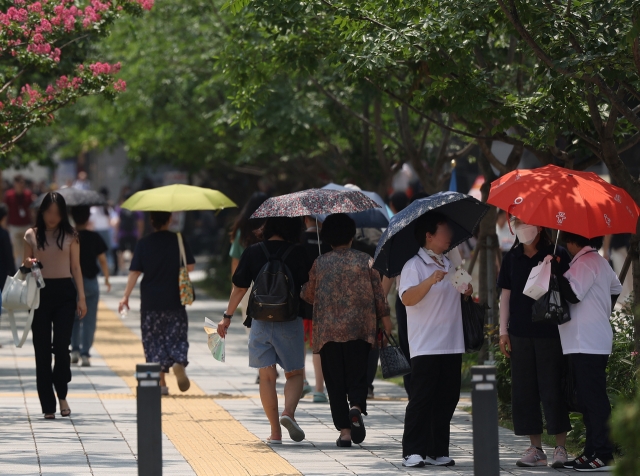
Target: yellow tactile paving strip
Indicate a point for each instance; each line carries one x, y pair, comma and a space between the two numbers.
206, 435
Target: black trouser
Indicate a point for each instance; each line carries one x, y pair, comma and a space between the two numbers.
344, 366
372, 365
57, 309
537, 370
435, 391
589, 371
403, 335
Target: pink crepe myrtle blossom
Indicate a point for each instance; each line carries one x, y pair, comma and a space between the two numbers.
120, 86
104, 68
146, 4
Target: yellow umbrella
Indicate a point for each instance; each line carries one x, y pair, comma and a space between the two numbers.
178, 198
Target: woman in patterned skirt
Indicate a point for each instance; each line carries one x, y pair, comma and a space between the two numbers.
163, 319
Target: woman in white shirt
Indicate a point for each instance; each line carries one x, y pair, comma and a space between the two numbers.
436, 343
591, 287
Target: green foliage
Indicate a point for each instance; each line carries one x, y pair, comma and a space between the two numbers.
625, 429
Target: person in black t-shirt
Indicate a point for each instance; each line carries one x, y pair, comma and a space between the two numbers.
534, 349
163, 318
272, 343
92, 250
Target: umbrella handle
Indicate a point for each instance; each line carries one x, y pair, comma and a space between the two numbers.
556, 246
318, 235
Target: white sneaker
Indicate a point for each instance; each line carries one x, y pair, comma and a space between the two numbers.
75, 357
85, 361
413, 461
441, 461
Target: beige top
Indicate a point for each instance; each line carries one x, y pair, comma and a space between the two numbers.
56, 262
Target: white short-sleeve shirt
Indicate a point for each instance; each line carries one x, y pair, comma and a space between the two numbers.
434, 324
593, 282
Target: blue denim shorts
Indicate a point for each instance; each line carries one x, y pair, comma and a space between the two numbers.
280, 343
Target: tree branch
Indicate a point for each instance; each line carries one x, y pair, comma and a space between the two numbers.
429, 118
493, 160
355, 114
629, 143
511, 13
377, 23
514, 157
10, 82
636, 54
462, 152
585, 164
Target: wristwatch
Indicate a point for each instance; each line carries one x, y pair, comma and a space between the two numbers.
226, 316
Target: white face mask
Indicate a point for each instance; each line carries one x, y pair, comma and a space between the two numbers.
526, 233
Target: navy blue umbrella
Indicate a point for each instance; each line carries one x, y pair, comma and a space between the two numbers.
398, 245
373, 218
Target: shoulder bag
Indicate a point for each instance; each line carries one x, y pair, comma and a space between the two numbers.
187, 295
20, 293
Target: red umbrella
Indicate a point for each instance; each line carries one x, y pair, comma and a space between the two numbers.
563, 199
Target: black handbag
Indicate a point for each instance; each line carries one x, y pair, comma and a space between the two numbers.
473, 324
551, 307
392, 360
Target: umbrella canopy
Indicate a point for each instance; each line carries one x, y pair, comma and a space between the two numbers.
398, 244
372, 218
314, 202
75, 197
178, 198
566, 200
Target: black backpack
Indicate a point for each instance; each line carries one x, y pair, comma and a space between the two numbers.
273, 297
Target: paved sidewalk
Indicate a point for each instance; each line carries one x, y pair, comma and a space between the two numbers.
215, 428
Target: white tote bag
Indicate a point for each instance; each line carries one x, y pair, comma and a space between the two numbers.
20, 293
538, 281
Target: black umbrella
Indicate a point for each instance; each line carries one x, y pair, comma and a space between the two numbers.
76, 197
398, 245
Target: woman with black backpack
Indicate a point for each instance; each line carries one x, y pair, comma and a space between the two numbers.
278, 267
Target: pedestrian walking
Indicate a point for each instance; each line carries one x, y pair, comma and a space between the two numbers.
314, 247
591, 287
92, 250
436, 343
272, 343
398, 202
345, 323
54, 243
242, 235
7, 263
18, 200
164, 323
129, 229
101, 222
534, 349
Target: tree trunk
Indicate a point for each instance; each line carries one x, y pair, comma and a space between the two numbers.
635, 266
487, 229
366, 139
385, 165
621, 175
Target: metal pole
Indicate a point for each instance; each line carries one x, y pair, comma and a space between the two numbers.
491, 288
149, 420
484, 403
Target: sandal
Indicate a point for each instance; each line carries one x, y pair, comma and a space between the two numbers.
65, 412
274, 442
358, 431
49, 416
343, 443
295, 432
